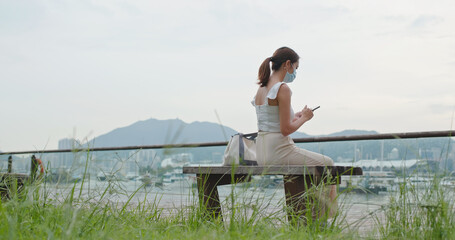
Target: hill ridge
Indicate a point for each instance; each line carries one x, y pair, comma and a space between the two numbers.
175, 131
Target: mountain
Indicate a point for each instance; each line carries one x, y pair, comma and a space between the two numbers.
175, 131
351, 132
156, 132
172, 131
299, 135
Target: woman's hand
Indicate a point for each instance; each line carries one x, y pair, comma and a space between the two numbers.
297, 115
306, 113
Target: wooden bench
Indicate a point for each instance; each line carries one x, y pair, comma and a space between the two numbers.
12, 183
297, 180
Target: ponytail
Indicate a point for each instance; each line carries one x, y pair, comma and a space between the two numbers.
264, 72
280, 56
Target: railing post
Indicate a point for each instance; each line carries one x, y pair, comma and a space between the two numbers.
33, 168
10, 164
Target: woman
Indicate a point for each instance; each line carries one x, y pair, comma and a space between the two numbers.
277, 120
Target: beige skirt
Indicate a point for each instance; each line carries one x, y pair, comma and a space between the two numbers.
276, 149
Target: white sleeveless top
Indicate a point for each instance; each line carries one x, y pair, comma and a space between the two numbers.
269, 116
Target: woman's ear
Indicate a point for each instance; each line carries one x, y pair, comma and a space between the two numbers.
287, 65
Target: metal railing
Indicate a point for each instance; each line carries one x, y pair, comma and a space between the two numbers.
430, 134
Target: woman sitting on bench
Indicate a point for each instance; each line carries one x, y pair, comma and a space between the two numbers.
277, 120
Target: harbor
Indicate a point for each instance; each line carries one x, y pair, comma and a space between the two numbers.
151, 181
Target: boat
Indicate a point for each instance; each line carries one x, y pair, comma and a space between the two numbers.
146, 179
104, 176
448, 182
132, 176
417, 181
59, 175
371, 182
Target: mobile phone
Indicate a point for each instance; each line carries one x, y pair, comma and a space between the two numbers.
315, 108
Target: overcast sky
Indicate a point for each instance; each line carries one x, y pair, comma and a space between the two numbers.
83, 68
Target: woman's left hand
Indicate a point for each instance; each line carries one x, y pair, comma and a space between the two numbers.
307, 113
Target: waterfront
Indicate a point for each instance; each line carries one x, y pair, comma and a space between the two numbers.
412, 209
355, 208
413, 198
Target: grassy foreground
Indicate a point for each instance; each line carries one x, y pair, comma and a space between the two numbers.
419, 212
412, 213
36, 219
33, 216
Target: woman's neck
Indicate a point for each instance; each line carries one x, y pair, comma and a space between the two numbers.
277, 76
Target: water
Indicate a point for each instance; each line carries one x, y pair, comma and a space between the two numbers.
357, 208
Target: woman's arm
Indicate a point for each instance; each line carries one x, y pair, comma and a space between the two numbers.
297, 115
288, 125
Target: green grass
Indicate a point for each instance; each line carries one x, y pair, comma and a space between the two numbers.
34, 213
31, 217
415, 212
411, 213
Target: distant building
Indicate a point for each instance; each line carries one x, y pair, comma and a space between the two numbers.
65, 160
140, 159
177, 160
69, 143
394, 154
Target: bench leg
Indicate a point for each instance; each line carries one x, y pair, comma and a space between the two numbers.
295, 187
209, 199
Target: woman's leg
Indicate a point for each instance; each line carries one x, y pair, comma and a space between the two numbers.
275, 149
328, 205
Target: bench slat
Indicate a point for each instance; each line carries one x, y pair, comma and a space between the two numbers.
20, 176
273, 170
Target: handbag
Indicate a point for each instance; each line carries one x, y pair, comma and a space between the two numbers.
241, 150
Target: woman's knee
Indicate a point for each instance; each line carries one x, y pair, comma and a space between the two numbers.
328, 161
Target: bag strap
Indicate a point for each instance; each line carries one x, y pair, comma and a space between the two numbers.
241, 148
242, 160
249, 163
251, 136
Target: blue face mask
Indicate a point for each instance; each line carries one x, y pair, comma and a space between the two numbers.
290, 77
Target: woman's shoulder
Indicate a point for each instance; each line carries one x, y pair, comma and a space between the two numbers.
284, 87
276, 88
